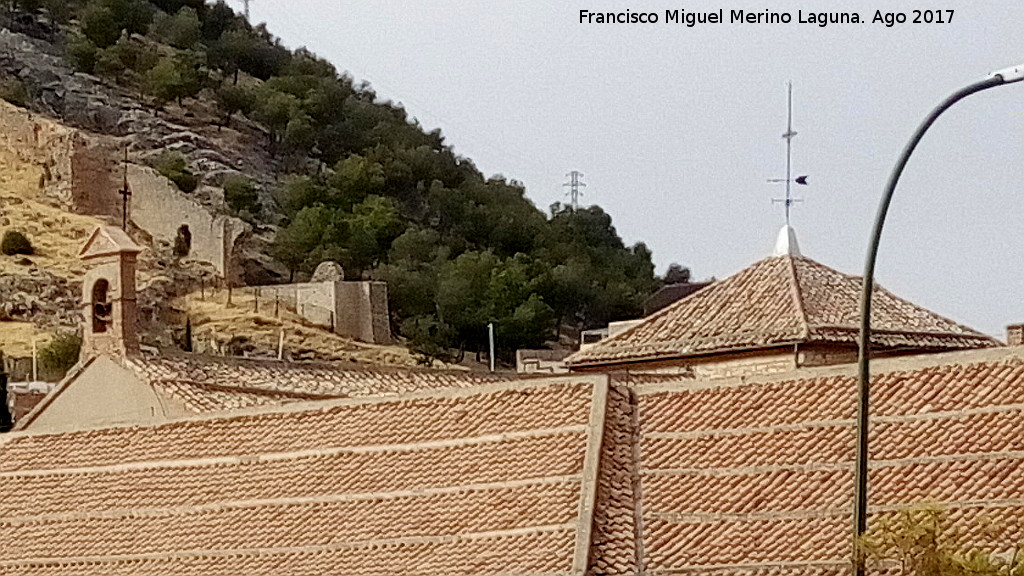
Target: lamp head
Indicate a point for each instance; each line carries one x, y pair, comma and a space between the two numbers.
1011, 74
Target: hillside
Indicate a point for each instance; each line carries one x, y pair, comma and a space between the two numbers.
274, 161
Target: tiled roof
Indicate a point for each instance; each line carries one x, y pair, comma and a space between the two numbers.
490, 480
211, 383
743, 477
778, 301
671, 293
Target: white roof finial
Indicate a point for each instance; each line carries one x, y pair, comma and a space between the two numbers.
786, 244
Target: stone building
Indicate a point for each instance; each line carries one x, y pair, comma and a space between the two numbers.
149, 465
783, 312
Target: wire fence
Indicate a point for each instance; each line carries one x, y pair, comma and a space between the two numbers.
313, 303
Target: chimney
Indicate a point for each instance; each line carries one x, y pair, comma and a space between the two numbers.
1015, 335
108, 294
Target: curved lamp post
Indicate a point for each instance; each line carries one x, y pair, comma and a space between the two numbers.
997, 78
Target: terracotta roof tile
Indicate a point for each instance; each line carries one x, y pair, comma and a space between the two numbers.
757, 476
487, 480
777, 301
212, 384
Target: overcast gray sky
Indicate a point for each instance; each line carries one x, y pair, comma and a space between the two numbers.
677, 128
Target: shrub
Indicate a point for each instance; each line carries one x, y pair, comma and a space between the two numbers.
83, 54
15, 242
15, 91
172, 166
240, 194
182, 242
60, 353
126, 54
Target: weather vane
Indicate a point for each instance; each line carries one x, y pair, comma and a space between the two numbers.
802, 180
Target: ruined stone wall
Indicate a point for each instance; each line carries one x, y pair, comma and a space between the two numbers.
83, 173
78, 169
159, 208
355, 309
362, 311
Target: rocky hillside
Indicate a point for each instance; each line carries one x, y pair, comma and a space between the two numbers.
263, 162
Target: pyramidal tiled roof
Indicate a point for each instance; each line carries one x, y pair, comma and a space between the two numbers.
780, 300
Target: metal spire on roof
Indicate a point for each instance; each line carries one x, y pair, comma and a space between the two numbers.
788, 136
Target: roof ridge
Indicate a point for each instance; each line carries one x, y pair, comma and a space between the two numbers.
797, 294
244, 389
328, 404
975, 335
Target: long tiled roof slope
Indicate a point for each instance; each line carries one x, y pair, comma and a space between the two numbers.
757, 477
491, 480
780, 300
210, 383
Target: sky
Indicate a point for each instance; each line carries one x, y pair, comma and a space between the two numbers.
677, 129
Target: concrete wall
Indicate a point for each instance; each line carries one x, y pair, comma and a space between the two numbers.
159, 208
541, 361
355, 309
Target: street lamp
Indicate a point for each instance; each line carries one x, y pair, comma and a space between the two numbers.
860, 506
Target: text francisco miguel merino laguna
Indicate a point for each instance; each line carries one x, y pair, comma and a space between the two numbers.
822, 19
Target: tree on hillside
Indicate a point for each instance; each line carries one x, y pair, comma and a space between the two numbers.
176, 77
233, 99
677, 274
181, 29
217, 19
313, 236
104, 20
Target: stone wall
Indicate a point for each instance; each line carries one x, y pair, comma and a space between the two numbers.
355, 309
362, 311
715, 366
77, 168
83, 173
159, 208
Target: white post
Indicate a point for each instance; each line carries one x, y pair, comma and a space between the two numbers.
280, 345
490, 337
35, 362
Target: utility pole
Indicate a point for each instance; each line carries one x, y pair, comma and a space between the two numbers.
490, 342
246, 4
574, 185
